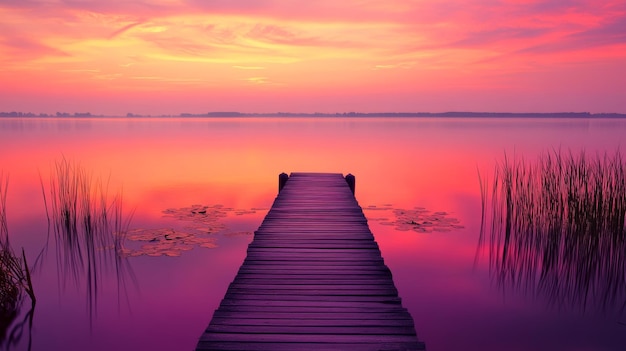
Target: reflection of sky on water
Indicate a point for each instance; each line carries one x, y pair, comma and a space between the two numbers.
174, 164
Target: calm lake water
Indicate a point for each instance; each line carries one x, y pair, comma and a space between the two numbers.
165, 296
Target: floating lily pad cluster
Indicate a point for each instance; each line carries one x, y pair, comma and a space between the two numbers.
166, 242
202, 218
202, 222
418, 219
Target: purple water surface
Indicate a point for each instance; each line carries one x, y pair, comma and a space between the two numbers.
162, 164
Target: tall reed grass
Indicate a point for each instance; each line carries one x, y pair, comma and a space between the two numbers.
89, 229
15, 281
556, 227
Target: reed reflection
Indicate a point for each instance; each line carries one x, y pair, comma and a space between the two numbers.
555, 227
15, 283
89, 230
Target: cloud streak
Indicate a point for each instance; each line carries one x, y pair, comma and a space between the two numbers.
25, 48
249, 67
123, 30
362, 47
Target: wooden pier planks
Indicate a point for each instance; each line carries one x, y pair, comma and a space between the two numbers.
313, 279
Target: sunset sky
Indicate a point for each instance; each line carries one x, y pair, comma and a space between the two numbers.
174, 56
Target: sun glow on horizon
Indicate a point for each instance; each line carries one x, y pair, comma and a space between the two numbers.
264, 56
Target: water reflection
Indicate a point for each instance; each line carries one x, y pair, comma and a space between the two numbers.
555, 228
165, 163
89, 230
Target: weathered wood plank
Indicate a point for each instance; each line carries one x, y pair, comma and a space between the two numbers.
311, 298
382, 317
288, 328
307, 338
365, 306
330, 264
291, 280
313, 279
308, 269
310, 292
319, 245
252, 311
332, 322
290, 346
310, 286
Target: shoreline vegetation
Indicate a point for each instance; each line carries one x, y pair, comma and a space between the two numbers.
556, 227
232, 114
15, 284
89, 229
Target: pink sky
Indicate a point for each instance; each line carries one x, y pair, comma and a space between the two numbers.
173, 56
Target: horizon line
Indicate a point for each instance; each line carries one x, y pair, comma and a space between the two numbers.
323, 114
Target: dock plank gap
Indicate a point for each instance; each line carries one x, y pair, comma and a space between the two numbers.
313, 279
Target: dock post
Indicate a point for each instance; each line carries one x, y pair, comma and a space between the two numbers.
351, 182
282, 180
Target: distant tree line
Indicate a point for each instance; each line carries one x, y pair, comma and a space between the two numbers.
344, 114
413, 114
58, 114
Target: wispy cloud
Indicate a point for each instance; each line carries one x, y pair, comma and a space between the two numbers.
604, 34
80, 70
166, 79
285, 36
256, 80
20, 46
249, 67
503, 34
354, 46
123, 30
401, 65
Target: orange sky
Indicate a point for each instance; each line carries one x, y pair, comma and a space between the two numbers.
173, 56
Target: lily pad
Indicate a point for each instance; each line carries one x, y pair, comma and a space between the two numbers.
165, 242
417, 219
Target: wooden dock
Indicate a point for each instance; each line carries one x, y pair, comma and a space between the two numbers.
313, 279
